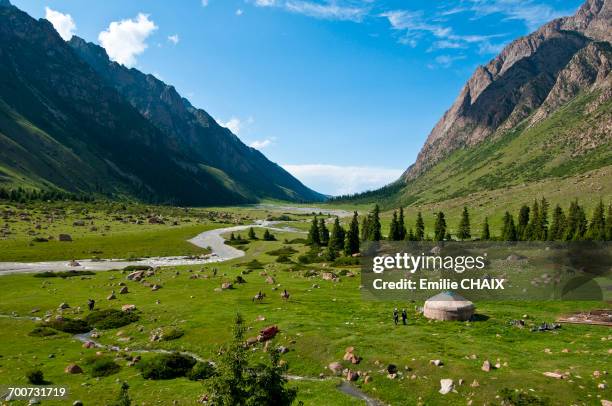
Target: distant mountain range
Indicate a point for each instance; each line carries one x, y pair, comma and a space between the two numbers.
74, 120
541, 109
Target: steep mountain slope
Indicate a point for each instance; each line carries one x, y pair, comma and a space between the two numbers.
65, 124
541, 109
193, 130
509, 88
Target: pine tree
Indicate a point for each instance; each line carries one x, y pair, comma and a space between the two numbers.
401, 224
323, 233
523, 221
232, 237
532, 232
336, 239
268, 236
314, 237
543, 227
464, 232
251, 234
410, 236
486, 233
351, 245
509, 229
440, 227
419, 234
576, 222
124, 397
558, 225
364, 228
374, 232
394, 228
597, 226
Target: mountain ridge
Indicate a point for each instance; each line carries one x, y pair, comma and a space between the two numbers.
459, 128
63, 124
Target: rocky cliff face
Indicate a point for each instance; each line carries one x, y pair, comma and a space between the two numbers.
536, 73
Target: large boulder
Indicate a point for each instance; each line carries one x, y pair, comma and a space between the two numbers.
64, 237
73, 369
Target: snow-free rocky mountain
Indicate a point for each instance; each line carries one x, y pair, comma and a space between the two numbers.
72, 119
535, 120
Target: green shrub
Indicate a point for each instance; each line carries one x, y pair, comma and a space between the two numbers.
201, 371
35, 377
172, 334
511, 397
63, 274
42, 332
134, 268
166, 366
346, 261
254, 264
103, 366
72, 326
283, 259
282, 251
110, 318
296, 241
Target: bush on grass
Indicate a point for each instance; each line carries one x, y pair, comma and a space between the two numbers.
166, 366
110, 318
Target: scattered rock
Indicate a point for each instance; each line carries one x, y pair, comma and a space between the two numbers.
155, 287
270, 280
73, 369
555, 375
63, 306
602, 386
446, 385
65, 237
111, 296
436, 362
124, 290
128, 307
226, 285
486, 366
475, 384
335, 367
89, 344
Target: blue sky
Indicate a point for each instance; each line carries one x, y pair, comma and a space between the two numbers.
342, 93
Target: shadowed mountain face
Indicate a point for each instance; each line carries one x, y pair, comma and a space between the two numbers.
515, 84
72, 119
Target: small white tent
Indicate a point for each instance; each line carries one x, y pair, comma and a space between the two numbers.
448, 306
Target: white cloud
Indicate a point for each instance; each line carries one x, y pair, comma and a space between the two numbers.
63, 23
126, 39
233, 124
174, 39
446, 61
204, 3
265, 3
532, 14
239, 12
261, 144
339, 180
330, 10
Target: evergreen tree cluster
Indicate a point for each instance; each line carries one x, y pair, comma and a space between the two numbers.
22, 195
533, 225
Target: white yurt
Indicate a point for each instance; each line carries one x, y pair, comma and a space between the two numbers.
448, 306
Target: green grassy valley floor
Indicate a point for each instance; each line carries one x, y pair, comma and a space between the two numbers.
319, 321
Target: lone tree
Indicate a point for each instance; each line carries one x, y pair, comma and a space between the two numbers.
558, 225
314, 237
440, 227
351, 244
523, 221
336, 238
375, 234
486, 232
419, 233
237, 383
251, 234
323, 232
508, 229
576, 222
464, 232
268, 236
597, 226
394, 228
401, 224
124, 397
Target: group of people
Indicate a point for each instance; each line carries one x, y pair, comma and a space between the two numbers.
396, 316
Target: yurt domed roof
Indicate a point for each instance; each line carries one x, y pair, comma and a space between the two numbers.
448, 306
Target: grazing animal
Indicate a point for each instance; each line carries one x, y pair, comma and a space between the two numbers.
259, 297
285, 295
